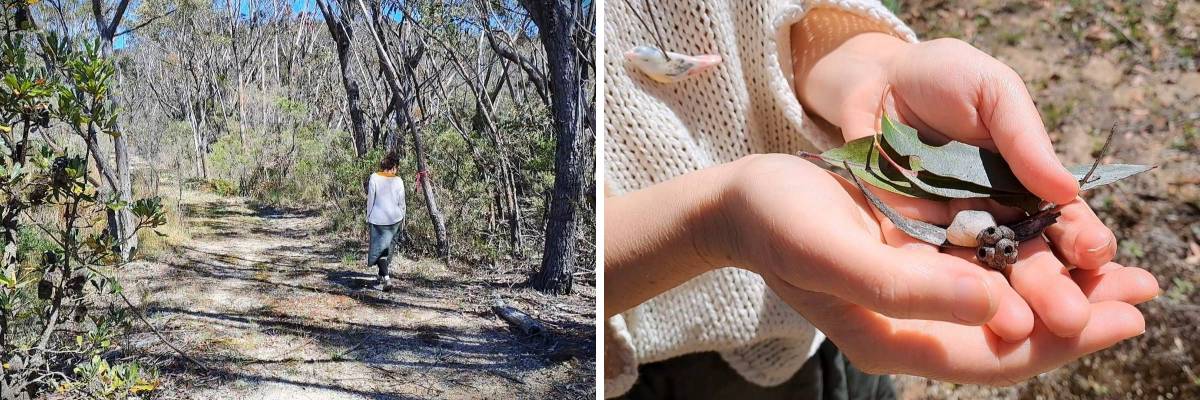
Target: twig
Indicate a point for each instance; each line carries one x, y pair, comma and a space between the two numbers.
653, 31
164, 340
505, 375
1137, 45
1100, 157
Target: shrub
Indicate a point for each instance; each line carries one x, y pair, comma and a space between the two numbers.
57, 308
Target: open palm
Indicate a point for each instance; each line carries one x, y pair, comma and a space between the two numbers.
912, 309
949, 90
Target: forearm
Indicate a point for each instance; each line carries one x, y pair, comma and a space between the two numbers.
660, 237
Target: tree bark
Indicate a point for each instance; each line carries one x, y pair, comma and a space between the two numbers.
556, 24
339, 28
121, 221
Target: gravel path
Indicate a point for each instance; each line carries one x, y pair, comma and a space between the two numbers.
269, 304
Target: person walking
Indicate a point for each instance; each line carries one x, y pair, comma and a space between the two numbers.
385, 214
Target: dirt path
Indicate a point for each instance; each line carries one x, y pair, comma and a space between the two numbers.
278, 310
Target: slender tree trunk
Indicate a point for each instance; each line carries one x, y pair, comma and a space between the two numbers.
121, 221
339, 29
557, 29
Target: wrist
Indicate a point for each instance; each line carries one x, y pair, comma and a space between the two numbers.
830, 64
736, 227
714, 232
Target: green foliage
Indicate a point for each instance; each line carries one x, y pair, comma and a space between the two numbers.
1181, 290
893, 5
223, 187
898, 161
115, 381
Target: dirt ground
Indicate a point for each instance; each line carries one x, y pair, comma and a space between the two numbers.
1088, 65
277, 308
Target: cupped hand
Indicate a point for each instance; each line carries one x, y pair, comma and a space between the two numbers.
817, 243
948, 90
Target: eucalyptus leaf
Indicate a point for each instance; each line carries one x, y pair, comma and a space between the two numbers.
947, 188
1106, 173
921, 230
956, 160
860, 158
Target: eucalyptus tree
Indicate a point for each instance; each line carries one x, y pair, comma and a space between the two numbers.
561, 27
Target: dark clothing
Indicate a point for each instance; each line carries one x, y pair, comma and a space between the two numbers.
380, 252
827, 375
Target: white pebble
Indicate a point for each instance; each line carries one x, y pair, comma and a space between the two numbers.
964, 230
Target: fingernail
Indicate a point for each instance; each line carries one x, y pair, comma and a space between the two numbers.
1102, 246
966, 294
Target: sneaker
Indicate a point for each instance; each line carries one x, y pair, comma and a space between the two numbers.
382, 284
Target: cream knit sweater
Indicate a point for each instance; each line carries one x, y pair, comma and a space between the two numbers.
656, 131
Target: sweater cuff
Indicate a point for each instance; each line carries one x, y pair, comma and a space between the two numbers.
620, 363
849, 17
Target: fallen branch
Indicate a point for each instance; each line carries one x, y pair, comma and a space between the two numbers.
519, 320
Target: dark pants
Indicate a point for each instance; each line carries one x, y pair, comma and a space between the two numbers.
827, 375
380, 251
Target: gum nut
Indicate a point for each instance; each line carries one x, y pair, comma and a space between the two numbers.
1006, 232
984, 253
964, 230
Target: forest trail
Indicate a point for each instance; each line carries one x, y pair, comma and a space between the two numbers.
277, 309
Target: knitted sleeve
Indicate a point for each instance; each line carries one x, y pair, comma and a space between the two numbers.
746, 105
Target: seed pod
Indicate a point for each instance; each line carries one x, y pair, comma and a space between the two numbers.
992, 235
38, 193
1007, 248
985, 253
50, 258
45, 289
58, 172
966, 228
76, 284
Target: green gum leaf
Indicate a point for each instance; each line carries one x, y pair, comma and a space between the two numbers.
957, 160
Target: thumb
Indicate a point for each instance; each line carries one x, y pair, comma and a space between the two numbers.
1016, 128
907, 283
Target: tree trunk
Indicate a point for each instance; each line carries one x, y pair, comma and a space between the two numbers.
120, 222
342, 34
557, 29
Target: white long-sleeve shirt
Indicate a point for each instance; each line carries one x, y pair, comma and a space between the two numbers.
385, 199
656, 131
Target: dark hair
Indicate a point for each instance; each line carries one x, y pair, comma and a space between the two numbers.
389, 161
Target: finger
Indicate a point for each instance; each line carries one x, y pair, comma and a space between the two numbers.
1114, 321
965, 354
903, 283
1113, 282
858, 116
1044, 283
911, 282
1016, 127
1013, 320
1081, 238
